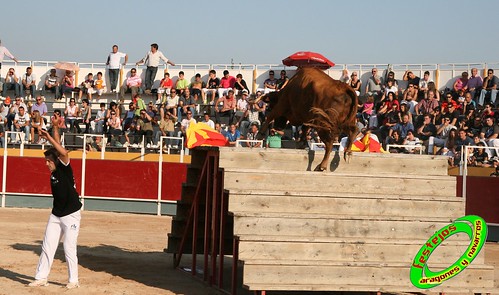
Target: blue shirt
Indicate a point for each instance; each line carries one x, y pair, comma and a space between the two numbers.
233, 137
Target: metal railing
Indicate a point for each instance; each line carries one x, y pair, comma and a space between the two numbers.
251, 143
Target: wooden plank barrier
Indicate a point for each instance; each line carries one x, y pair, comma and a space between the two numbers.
357, 228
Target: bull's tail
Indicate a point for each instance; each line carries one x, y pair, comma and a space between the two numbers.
323, 119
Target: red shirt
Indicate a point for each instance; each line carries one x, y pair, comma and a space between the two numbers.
227, 82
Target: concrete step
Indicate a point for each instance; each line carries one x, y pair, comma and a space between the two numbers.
294, 181
355, 205
314, 253
302, 277
301, 160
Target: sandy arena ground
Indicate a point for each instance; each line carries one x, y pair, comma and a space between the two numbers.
118, 254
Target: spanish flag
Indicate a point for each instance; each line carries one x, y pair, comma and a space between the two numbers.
367, 144
200, 134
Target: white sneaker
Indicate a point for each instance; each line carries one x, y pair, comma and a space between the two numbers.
73, 285
148, 145
154, 146
126, 144
39, 283
135, 145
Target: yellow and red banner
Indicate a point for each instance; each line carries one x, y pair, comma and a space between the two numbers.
368, 143
200, 134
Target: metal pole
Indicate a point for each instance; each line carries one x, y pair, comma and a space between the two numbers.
142, 149
182, 151
160, 173
465, 171
83, 170
4, 169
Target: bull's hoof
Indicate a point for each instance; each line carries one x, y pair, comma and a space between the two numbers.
320, 168
347, 157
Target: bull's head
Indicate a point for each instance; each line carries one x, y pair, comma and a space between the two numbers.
269, 98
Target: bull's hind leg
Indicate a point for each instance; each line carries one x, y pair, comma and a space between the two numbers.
351, 133
327, 139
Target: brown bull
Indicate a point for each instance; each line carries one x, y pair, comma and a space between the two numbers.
315, 100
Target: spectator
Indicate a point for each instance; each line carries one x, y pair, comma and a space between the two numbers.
211, 87
207, 120
387, 105
185, 103
475, 83
3, 52
480, 157
240, 85
489, 134
166, 128
99, 86
219, 129
186, 122
5, 110
2, 136
411, 79
72, 112
489, 86
196, 88
113, 62
233, 135
113, 107
462, 140
181, 84
40, 106
129, 115
461, 83
21, 124
487, 112
114, 128
404, 110
374, 85
344, 76
283, 80
132, 83
423, 84
427, 105
367, 109
86, 112
68, 83
453, 114
130, 131
394, 139
274, 140
252, 135
164, 89
440, 139
11, 83
37, 123
412, 141
144, 128
426, 130
228, 104
242, 105
390, 87
28, 83
98, 122
226, 83
61, 122
139, 104
152, 110
151, 60
403, 126
390, 120
355, 83
171, 103
468, 107
270, 84
411, 95
432, 86
87, 87
14, 110
52, 84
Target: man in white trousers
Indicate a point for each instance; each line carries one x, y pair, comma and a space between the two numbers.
65, 218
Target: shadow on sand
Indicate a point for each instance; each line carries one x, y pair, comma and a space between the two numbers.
153, 269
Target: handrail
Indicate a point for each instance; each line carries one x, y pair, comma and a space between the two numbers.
249, 141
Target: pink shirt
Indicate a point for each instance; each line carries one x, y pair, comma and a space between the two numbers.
227, 82
133, 81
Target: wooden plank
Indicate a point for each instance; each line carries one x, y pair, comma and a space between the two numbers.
340, 183
301, 160
345, 206
300, 253
482, 277
340, 228
401, 290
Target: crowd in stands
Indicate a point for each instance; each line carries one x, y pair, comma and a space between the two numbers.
419, 116
438, 122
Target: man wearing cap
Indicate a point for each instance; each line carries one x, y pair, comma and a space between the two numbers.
151, 60
226, 83
4, 110
5, 52
11, 83
52, 84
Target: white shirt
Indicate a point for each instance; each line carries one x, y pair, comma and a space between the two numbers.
22, 119
115, 58
242, 105
29, 78
3, 52
209, 123
186, 122
152, 59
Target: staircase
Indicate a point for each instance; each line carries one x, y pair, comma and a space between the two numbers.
357, 228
